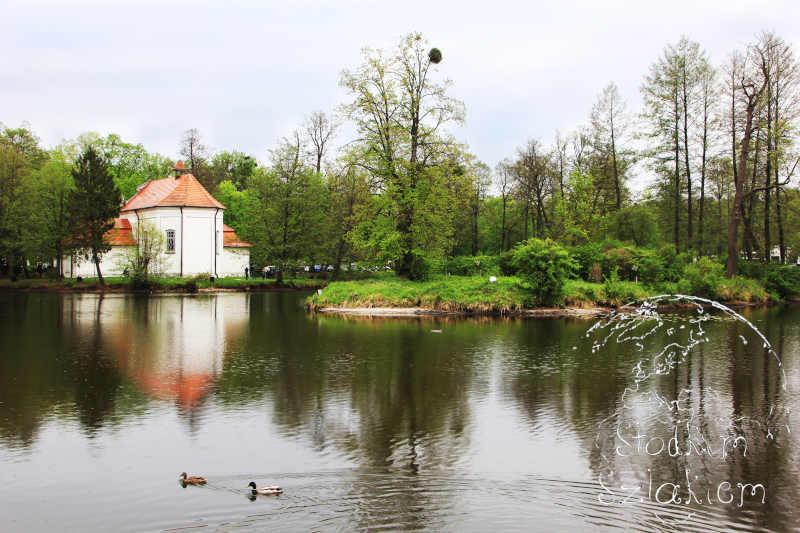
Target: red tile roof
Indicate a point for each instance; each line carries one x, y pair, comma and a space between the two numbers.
231, 240
183, 190
121, 234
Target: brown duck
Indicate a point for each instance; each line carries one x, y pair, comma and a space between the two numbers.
192, 480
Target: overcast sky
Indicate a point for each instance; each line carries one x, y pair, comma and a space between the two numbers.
247, 72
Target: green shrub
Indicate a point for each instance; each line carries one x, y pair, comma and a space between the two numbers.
587, 258
672, 262
783, 280
544, 266
613, 288
140, 281
701, 278
741, 290
505, 262
420, 268
472, 265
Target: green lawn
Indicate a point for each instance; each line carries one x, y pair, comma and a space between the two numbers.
464, 293
507, 295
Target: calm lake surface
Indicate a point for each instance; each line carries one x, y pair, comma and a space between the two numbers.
372, 424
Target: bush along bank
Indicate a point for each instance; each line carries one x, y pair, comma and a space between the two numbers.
543, 274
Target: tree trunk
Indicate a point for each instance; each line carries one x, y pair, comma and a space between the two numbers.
768, 180
733, 223
503, 234
475, 214
749, 234
689, 236
702, 206
96, 260
677, 188
617, 188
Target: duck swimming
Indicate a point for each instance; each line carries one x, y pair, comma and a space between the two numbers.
191, 480
266, 491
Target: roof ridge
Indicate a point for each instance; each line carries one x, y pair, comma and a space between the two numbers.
184, 190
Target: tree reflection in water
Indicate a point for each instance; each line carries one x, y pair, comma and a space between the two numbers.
489, 416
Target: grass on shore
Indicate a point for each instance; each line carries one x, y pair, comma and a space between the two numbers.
466, 293
157, 284
507, 295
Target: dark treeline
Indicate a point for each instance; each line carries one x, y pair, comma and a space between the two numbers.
714, 142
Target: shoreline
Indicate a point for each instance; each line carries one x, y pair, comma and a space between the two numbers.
205, 287
534, 312
399, 312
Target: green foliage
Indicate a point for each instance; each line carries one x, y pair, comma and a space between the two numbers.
579, 221
130, 165
420, 268
617, 292
146, 259
471, 265
282, 213
94, 203
399, 115
636, 224
445, 293
544, 266
588, 258
233, 167
783, 280
702, 278
505, 262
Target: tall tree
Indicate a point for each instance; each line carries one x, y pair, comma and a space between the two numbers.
504, 181
482, 180
751, 83
20, 155
44, 199
662, 114
399, 111
533, 175
707, 102
94, 203
608, 125
285, 209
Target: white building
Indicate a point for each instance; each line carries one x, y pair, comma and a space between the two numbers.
197, 241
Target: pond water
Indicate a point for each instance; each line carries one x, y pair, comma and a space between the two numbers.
372, 424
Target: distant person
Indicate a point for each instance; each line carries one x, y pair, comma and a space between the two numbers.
246, 273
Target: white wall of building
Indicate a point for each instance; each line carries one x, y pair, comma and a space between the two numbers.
234, 261
198, 245
111, 264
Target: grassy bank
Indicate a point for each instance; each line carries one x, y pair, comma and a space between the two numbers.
465, 294
475, 294
166, 284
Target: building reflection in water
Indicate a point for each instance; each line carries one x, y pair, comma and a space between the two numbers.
170, 348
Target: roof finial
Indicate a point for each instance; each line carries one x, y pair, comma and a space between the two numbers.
179, 169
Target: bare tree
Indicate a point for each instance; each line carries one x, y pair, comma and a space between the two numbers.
320, 129
192, 149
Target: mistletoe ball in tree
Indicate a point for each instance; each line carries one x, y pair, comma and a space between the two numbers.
435, 55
